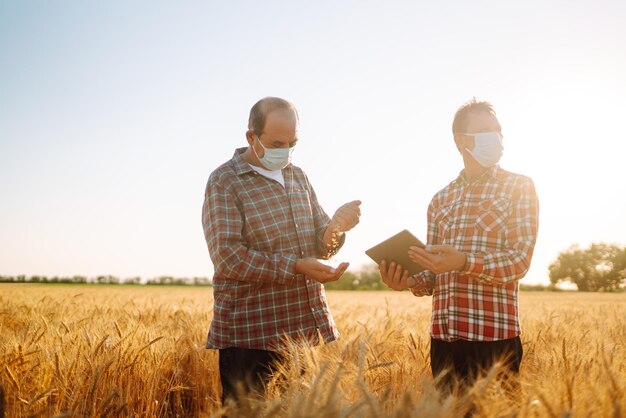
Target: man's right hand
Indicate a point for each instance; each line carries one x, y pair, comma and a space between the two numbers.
395, 277
316, 270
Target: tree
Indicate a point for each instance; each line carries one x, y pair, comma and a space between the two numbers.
79, 279
132, 280
599, 267
201, 281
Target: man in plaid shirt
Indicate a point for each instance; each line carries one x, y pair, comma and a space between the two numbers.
482, 229
265, 231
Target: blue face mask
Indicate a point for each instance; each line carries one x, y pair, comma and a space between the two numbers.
487, 148
274, 158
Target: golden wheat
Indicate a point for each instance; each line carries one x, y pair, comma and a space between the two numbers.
132, 351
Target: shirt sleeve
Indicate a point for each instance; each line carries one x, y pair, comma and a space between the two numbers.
426, 279
321, 221
222, 222
512, 262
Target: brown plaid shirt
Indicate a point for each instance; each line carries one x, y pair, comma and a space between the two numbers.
494, 221
255, 230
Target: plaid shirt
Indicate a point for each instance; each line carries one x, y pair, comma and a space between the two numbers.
494, 221
256, 229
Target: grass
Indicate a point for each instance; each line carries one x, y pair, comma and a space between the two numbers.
90, 351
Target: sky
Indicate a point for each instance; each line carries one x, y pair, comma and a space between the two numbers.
113, 114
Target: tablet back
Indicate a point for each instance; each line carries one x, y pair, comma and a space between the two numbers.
396, 249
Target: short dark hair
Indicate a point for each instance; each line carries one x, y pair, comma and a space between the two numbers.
459, 125
262, 108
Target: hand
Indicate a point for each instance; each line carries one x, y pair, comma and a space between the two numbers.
394, 277
319, 271
346, 217
438, 258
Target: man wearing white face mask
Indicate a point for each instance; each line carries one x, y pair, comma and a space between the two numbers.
482, 229
265, 232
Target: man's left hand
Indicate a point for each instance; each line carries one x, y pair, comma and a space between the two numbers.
438, 258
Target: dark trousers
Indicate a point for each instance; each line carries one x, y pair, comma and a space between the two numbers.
465, 361
244, 371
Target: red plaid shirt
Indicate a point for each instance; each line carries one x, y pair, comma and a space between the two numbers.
494, 221
256, 229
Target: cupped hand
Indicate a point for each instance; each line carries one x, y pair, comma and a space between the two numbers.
319, 271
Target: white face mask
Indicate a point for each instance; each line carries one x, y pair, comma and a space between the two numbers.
274, 158
487, 148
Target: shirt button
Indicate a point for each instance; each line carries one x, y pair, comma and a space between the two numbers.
296, 225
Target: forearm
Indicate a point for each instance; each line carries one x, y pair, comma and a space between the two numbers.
241, 263
498, 267
233, 256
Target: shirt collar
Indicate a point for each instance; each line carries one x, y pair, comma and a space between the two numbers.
490, 172
241, 166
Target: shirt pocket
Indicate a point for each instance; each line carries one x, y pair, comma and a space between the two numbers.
300, 201
492, 214
445, 223
302, 212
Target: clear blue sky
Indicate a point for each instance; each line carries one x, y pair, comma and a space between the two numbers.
113, 114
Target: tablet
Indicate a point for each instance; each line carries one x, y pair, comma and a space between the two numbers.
396, 249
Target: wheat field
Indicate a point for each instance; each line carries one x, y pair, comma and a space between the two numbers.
138, 351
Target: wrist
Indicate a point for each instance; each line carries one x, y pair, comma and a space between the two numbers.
411, 282
298, 266
333, 237
334, 227
464, 264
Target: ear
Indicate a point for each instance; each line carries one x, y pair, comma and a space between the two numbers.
460, 141
250, 136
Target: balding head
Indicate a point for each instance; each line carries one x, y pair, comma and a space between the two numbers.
265, 106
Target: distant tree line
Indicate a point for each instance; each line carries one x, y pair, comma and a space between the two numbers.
368, 278
108, 279
601, 267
